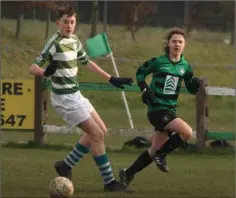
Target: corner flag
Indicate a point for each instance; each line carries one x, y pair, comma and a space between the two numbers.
99, 46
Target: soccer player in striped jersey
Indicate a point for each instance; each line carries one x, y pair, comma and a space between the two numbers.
63, 51
168, 71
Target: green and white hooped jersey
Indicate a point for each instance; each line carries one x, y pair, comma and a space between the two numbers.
64, 53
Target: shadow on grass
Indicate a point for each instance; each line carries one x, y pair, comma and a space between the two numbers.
49, 146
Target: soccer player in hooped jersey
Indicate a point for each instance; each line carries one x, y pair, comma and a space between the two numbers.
63, 50
168, 71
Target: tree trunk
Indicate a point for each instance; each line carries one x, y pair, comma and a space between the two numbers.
34, 15
19, 25
233, 33
132, 31
48, 24
186, 13
94, 19
187, 18
134, 19
105, 16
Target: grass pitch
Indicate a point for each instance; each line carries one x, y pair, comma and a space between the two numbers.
27, 171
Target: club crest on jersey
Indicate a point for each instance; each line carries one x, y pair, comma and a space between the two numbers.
74, 46
181, 71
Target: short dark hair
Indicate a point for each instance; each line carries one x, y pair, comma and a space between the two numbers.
68, 10
170, 33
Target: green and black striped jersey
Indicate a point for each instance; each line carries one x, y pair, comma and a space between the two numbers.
166, 81
64, 53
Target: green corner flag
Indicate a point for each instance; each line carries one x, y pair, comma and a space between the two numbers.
98, 46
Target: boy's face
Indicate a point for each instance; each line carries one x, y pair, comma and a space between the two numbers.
176, 44
66, 25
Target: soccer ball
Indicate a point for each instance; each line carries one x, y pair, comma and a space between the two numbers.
61, 187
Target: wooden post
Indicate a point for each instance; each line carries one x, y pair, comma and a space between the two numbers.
201, 114
45, 106
38, 128
45, 96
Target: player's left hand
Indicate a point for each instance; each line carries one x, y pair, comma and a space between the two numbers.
119, 82
148, 96
196, 84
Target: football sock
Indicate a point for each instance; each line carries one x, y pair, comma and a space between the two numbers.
104, 168
174, 142
140, 163
76, 155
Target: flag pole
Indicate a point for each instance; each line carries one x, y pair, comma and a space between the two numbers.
123, 93
99, 46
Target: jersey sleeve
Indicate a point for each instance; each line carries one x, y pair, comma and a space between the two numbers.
82, 55
47, 53
145, 69
191, 83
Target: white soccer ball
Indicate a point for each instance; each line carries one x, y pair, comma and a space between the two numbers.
61, 187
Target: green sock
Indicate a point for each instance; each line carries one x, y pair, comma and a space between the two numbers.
104, 168
76, 155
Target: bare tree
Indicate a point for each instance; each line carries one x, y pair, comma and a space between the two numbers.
48, 24
19, 24
94, 19
20, 7
105, 16
187, 17
132, 12
196, 12
229, 14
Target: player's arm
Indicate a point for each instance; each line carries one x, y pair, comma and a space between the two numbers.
142, 72
118, 82
36, 70
92, 66
191, 83
46, 55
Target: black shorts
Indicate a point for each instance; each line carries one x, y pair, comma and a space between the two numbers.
159, 119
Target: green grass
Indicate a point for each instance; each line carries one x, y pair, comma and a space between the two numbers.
27, 173
204, 175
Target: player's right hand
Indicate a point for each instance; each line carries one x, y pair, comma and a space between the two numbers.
50, 70
120, 82
148, 96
